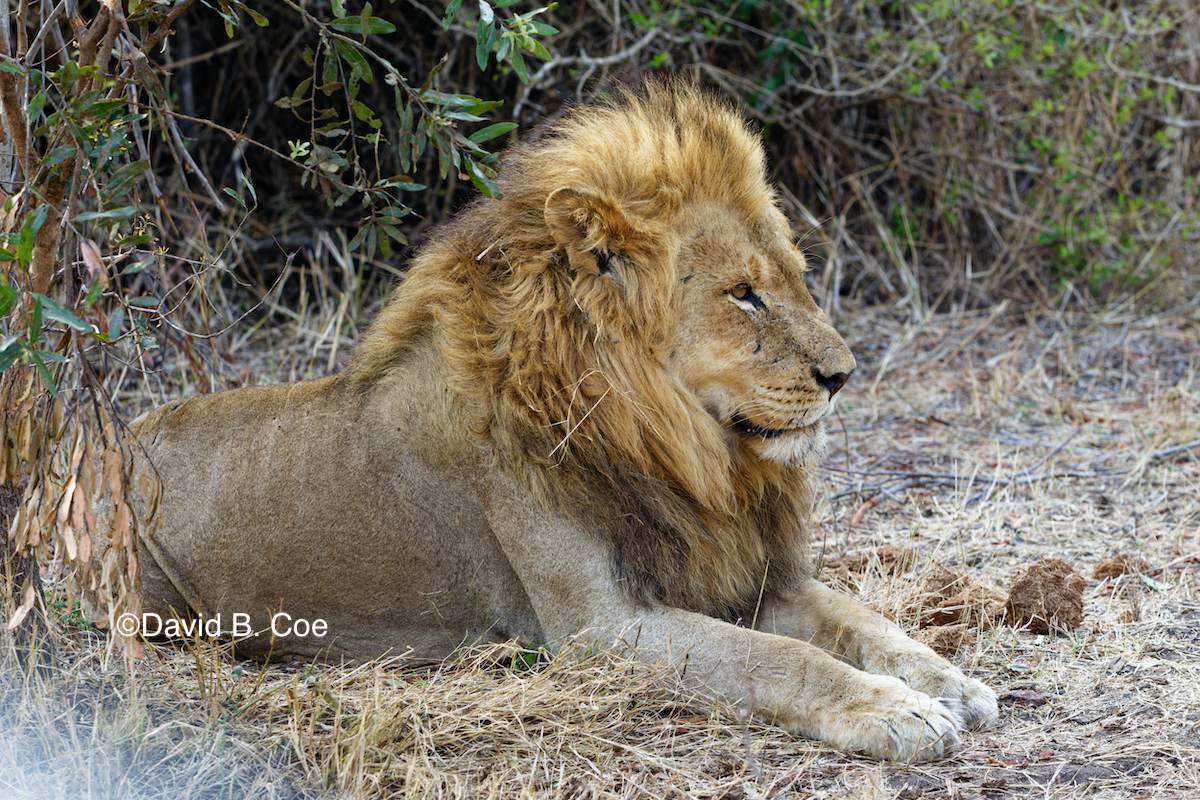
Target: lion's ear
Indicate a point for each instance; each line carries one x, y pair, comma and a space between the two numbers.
582, 221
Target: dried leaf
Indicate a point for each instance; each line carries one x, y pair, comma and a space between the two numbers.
85, 549
87, 469
91, 258
57, 422
66, 532
79, 509
64, 505
23, 609
121, 528
24, 437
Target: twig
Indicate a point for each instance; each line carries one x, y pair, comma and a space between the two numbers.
584, 59
1170, 451
168, 121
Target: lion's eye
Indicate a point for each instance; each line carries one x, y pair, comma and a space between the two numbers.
744, 297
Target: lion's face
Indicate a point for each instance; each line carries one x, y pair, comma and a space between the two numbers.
748, 341
751, 344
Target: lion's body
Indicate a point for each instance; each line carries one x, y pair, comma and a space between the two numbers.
591, 407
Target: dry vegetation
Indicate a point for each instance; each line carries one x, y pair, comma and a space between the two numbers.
983, 442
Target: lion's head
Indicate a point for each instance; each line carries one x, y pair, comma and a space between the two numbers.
629, 331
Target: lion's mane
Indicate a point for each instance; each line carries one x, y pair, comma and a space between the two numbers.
560, 373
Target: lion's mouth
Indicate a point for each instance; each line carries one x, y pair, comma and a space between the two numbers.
748, 428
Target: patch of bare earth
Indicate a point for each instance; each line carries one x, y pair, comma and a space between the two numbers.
967, 448
986, 446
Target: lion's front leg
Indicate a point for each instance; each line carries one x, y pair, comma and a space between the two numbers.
838, 624
568, 577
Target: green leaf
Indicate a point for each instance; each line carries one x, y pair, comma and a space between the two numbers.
250, 186
258, 18
542, 29
8, 66
8, 298
136, 266
482, 108
50, 355
374, 25
339, 10
451, 11
35, 322
329, 72
44, 371
536, 47
486, 15
102, 107
492, 131
10, 351
35, 221
302, 89
54, 311
359, 68
484, 35
519, 66
123, 178
443, 99
58, 155
144, 302
402, 182
6, 254
364, 113
113, 217
357, 241
116, 320
93, 294
36, 104
481, 181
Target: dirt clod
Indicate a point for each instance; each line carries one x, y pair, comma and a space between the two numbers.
949, 598
1047, 597
890, 560
1119, 565
946, 639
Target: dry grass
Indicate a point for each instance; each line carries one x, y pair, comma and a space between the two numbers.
980, 447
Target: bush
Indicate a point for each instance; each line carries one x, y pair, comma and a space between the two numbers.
955, 151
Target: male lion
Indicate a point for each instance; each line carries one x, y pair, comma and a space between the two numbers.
592, 407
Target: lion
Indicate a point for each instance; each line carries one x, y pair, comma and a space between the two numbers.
592, 408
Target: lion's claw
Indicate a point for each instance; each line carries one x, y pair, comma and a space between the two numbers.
897, 723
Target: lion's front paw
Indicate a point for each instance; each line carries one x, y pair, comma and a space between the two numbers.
888, 720
935, 676
923, 730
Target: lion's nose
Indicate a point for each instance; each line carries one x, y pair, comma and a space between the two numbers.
832, 382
